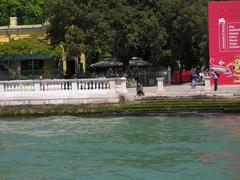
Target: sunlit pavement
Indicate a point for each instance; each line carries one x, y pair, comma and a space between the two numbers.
185, 90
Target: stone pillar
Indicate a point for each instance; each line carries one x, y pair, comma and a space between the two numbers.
160, 87
113, 91
13, 22
118, 89
123, 92
2, 87
74, 85
207, 87
37, 85
124, 85
112, 84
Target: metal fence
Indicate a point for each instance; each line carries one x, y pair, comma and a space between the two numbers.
149, 78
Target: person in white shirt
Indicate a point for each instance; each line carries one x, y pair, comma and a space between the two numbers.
215, 78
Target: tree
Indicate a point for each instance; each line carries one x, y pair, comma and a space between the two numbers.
27, 11
186, 24
164, 32
107, 27
28, 46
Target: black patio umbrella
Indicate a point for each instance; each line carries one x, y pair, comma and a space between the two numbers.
109, 62
136, 61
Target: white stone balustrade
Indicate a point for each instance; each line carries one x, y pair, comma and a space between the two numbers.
13, 86
59, 90
59, 85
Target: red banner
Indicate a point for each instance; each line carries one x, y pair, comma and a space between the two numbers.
224, 40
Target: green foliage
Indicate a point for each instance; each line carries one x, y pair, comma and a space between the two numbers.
163, 32
27, 11
166, 32
28, 46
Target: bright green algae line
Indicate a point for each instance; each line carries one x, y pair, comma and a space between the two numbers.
147, 105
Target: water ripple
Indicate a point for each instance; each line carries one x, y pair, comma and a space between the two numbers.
146, 147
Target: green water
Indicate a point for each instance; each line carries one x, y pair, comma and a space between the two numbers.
155, 147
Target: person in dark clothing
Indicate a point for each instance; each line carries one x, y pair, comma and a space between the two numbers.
139, 89
194, 79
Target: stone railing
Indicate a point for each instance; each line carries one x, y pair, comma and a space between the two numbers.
10, 86
109, 89
62, 85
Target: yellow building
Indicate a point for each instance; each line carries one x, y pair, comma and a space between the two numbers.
15, 32
35, 64
27, 64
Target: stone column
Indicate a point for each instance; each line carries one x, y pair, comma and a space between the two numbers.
118, 89
123, 94
2, 87
112, 84
113, 91
37, 85
124, 85
74, 85
207, 87
160, 87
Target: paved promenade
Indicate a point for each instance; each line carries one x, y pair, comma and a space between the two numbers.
185, 90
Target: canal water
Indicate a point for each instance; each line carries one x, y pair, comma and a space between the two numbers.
143, 147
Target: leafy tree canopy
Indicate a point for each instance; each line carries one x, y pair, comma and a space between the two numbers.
117, 27
28, 46
27, 11
166, 32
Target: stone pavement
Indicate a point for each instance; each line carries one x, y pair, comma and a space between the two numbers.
185, 90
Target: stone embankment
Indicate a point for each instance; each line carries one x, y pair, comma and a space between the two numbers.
111, 96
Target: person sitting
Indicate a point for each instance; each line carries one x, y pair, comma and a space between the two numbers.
139, 89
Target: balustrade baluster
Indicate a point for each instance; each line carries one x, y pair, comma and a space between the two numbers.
105, 85
81, 85
95, 84
102, 85
91, 85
